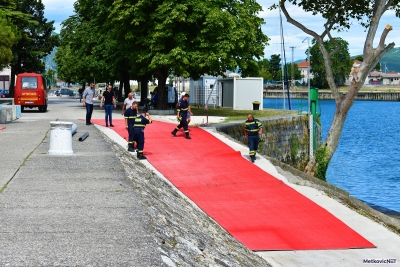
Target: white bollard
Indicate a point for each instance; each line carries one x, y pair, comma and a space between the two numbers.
60, 138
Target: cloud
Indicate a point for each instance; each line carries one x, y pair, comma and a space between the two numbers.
55, 5
58, 11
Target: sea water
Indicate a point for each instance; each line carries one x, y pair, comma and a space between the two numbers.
367, 161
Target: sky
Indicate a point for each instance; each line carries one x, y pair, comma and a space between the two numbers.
293, 37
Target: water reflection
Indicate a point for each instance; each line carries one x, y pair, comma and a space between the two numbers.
366, 163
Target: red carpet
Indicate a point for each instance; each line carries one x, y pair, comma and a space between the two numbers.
256, 208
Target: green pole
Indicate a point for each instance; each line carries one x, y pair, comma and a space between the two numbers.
313, 109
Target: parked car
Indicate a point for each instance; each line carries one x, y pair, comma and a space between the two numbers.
64, 91
5, 92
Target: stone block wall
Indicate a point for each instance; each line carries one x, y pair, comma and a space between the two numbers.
287, 138
9, 113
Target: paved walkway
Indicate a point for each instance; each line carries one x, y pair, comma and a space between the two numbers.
78, 210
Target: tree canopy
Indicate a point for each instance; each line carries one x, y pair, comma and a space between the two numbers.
36, 39
8, 37
9, 33
145, 38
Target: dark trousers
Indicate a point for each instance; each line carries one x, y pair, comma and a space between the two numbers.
183, 124
138, 136
109, 109
253, 144
131, 134
89, 111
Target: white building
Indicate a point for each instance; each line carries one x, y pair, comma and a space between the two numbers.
5, 78
230, 92
303, 67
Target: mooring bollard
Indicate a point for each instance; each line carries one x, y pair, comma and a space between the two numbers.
60, 138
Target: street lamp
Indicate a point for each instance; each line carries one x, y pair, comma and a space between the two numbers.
308, 72
310, 116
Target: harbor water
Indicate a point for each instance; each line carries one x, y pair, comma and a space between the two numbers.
367, 161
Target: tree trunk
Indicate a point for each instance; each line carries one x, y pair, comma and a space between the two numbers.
121, 87
12, 81
162, 75
126, 84
143, 89
318, 165
119, 96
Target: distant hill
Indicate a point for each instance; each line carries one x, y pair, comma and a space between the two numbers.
49, 60
392, 59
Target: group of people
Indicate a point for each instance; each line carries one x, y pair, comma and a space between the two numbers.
135, 123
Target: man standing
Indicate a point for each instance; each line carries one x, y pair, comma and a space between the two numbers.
190, 111
87, 98
109, 102
138, 132
182, 112
252, 131
130, 116
128, 103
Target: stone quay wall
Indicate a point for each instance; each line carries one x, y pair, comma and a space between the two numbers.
385, 96
286, 138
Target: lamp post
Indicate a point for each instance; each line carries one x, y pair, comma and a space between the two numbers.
308, 72
310, 116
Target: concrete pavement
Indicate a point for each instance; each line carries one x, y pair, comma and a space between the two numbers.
77, 210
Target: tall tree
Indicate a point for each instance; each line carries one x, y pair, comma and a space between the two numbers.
275, 63
36, 40
264, 69
339, 15
341, 63
190, 38
99, 56
8, 38
7, 33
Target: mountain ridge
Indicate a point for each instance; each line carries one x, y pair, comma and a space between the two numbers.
392, 59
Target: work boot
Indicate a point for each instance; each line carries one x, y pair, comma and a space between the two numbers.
174, 132
188, 136
141, 156
253, 158
131, 148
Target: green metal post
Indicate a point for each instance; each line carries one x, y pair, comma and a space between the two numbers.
313, 110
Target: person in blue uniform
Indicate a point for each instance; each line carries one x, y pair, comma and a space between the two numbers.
130, 116
183, 110
252, 131
138, 132
188, 100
